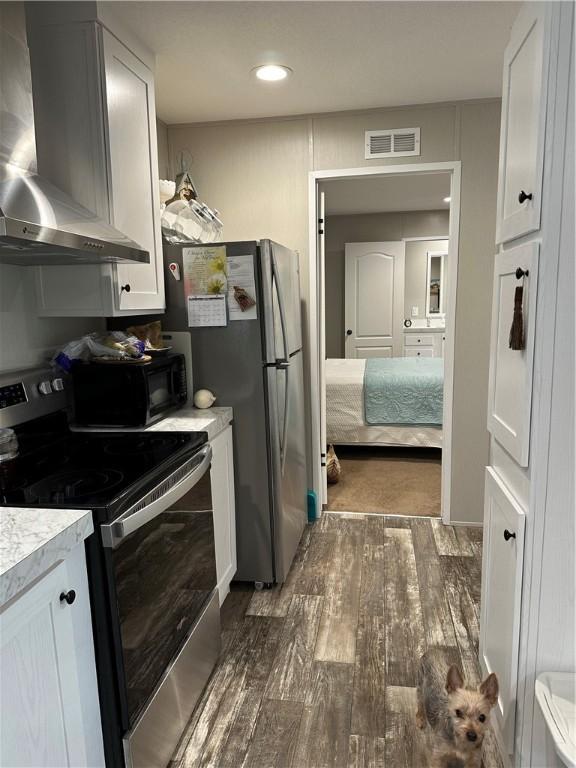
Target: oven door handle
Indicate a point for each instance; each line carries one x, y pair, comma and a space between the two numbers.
131, 521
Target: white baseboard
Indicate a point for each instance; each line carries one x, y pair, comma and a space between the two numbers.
466, 523
379, 514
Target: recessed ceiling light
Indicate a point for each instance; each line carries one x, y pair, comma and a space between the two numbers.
272, 72
446, 199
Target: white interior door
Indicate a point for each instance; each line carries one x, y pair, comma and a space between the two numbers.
321, 207
374, 299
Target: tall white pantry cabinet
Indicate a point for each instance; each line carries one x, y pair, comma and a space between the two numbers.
93, 86
535, 186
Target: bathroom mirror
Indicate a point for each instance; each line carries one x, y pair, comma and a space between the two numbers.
435, 284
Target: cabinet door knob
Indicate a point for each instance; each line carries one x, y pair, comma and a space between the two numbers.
508, 535
522, 197
521, 273
68, 597
125, 288
348, 332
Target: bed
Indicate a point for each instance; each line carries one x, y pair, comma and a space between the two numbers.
345, 413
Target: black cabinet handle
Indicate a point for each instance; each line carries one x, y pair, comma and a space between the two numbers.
68, 597
348, 332
520, 273
508, 535
522, 197
125, 288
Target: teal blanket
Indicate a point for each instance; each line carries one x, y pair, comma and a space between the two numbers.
403, 390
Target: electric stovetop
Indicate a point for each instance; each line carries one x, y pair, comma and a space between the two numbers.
101, 471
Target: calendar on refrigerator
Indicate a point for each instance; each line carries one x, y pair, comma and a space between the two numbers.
206, 310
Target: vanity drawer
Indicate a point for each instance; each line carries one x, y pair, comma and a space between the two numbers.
418, 352
417, 340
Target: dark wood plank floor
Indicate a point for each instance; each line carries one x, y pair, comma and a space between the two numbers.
321, 672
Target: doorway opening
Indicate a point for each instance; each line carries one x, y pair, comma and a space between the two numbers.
386, 257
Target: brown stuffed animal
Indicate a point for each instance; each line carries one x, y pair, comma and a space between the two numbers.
333, 468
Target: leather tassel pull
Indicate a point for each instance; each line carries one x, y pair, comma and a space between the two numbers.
516, 340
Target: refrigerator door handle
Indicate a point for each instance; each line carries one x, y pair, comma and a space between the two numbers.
280, 304
286, 368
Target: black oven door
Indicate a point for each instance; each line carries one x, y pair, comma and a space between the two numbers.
163, 569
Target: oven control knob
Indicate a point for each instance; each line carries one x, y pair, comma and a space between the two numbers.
45, 388
58, 384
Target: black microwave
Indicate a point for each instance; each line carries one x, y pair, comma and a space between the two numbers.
120, 394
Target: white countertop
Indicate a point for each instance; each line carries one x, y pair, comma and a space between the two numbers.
425, 329
33, 540
211, 420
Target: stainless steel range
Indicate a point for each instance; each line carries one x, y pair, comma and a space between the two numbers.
151, 560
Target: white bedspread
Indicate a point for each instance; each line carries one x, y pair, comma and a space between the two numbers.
345, 412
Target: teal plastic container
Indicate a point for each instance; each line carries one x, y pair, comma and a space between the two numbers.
312, 507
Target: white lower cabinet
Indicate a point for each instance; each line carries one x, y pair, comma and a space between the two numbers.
427, 344
223, 500
501, 595
49, 711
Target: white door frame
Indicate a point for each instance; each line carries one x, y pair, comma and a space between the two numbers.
317, 307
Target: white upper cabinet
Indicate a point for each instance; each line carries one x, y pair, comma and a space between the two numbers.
96, 127
134, 172
523, 125
510, 383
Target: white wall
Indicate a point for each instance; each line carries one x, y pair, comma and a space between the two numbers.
27, 340
164, 166
376, 227
255, 173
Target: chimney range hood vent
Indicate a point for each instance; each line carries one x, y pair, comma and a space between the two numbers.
40, 224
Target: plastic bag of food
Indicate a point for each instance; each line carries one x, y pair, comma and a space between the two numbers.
111, 346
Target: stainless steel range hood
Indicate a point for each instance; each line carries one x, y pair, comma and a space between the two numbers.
40, 224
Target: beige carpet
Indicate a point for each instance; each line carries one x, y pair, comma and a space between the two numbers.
393, 481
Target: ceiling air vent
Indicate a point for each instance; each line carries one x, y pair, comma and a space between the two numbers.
398, 142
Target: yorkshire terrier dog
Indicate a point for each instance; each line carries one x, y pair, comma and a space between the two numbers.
458, 716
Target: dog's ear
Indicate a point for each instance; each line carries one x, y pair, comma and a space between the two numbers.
454, 679
489, 689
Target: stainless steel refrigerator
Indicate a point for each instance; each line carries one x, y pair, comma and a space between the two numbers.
255, 366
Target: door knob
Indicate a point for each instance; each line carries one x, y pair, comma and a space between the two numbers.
520, 273
508, 535
522, 197
125, 288
348, 332
68, 597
